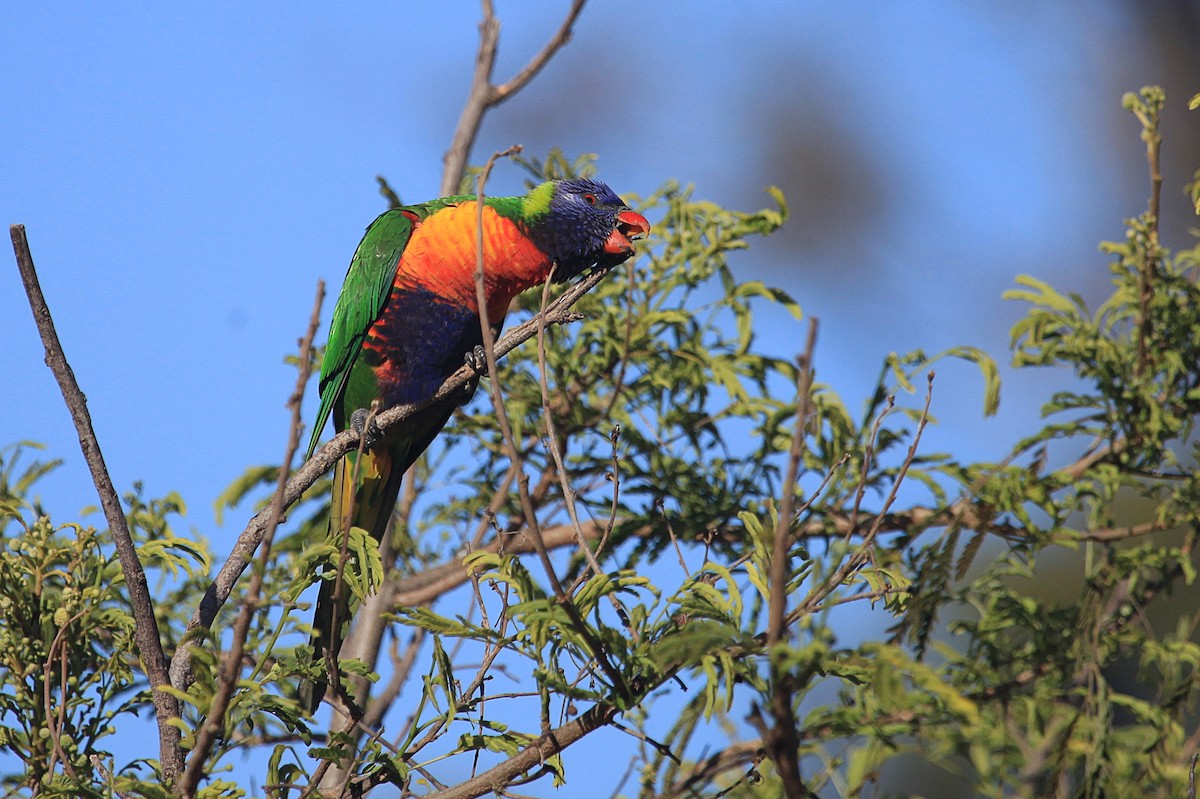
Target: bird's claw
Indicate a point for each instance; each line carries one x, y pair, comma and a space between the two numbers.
363, 422
477, 360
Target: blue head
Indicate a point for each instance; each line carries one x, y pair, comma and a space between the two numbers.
581, 224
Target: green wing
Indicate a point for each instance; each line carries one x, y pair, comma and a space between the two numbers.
364, 292
368, 283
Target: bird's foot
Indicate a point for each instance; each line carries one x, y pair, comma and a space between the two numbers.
363, 422
476, 359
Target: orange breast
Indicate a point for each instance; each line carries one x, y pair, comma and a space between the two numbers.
441, 257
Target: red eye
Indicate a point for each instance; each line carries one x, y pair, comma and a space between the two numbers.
590, 199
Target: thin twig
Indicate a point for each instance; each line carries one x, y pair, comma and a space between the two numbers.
561, 467
318, 775
99, 765
618, 383
594, 645
615, 476
1147, 270
146, 635
231, 664
58, 650
662, 509
780, 559
868, 456
657, 746
860, 557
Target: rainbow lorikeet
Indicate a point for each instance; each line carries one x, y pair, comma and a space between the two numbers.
407, 318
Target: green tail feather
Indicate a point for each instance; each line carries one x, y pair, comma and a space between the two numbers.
374, 500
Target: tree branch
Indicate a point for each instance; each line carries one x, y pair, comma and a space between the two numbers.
146, 635
324, 459
530, 70
484, 95
781, 740
546, 746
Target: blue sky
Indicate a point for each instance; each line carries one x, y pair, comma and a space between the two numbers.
187, 173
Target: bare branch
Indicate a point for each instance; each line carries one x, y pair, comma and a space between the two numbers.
530, 70
485, 95
146, 635
479, 99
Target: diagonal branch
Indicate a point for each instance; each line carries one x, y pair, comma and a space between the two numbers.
146, 635
559, 312
530, 70
546, 746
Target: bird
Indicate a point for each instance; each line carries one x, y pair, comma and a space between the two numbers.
407, 318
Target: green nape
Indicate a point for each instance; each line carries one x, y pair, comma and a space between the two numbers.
537, 202
526, 207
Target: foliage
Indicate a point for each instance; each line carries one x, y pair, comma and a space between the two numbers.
67, 660
1032, 645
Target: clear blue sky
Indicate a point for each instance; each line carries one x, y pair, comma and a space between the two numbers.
187, 173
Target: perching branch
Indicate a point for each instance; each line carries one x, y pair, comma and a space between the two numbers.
485, 95
559, 312
146, 634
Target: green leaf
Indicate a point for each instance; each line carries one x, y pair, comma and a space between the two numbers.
1041, 294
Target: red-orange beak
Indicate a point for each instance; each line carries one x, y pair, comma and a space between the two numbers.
630, 225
